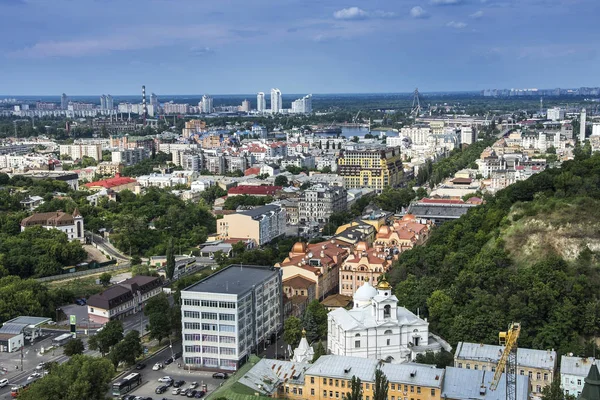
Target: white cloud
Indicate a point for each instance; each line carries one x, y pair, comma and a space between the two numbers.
418, 12
477, 14
350, 13
200, 51
456, 25
355, 13
445, 2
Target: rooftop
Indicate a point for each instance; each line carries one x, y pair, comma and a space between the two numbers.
579, 366
258, 211
470, 384
235, 279
544, 359
254, 190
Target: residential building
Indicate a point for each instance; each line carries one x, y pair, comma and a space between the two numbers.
469, 384
226, 316
573, 371
245, 107
298, 292
193, 127
166, 180
302, 105
260, 191
201, 185
109, 168
71, 225
591, 388
78, 151
262, 224
261, 104
378, 328
117, 184
276, 102
403, 234
298, 160
371, 168
259, 131
291, 210
318, 202
125, 298
206, 105
467, 135
129, 156
364, 264
122, 142
277, 378
538, 365
555, 114
331, 375
32, 202
269, 169
582, 125
417, 134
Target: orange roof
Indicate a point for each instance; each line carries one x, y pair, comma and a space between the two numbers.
298, 281
111, 182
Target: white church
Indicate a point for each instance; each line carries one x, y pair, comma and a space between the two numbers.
378, 328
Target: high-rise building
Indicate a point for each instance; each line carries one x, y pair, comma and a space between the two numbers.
303, 105
318, 202
64, 101
276, 103
555, 114
245, 107
261, 103
103, 102
206, 104
371, 168
582, 121
154, 101
228, 315
110, 103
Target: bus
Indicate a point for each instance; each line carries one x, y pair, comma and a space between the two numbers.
62, 339
126, 384
15, 391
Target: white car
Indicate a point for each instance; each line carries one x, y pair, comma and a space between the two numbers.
40, 366
35, 375
174, 391
165, 379
157, 366
193, 385
3, 382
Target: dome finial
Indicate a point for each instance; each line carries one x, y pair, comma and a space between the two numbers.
303, 332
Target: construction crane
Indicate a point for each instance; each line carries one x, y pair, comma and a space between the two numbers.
508, 361
355, 119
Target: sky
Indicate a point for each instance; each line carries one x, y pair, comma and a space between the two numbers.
87, 47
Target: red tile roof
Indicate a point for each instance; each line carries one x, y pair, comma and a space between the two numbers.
111, 182
441, 201
252, 171
254, 190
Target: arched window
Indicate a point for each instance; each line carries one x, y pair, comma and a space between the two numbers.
388, 332
357, 335
387, 311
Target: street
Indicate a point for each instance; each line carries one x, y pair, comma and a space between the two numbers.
106, 246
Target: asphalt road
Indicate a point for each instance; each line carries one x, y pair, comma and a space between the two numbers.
107, 247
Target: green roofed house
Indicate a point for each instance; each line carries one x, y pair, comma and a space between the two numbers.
591, 388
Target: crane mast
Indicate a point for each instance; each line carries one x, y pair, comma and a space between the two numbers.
508, 361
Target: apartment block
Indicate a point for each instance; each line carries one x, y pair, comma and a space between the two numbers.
226, 316
262, 224
78, 151
318, 202
371, 168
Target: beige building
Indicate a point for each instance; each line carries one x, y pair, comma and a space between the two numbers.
538, 365
261, 224
109, 168
403, 235
319, 263
78, 151
364, 264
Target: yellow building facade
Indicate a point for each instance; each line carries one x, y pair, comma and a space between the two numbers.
370, 168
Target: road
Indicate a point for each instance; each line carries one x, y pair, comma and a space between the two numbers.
106, 246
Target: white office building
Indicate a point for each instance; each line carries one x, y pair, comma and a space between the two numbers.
261, 102
582, 122
228, 315
129, 156
78, 151
276, 102
378, 328
416, 134
467, 135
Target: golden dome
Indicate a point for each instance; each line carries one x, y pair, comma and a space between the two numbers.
384, 284
299, 247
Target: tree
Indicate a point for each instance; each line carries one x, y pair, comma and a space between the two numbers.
380, 392
105, 279
319, 351
73, 347
82, 377
554, 391
170, 267
281, 180
127, 350
315, 321
158, 311
356, 392
292, 331
110, 335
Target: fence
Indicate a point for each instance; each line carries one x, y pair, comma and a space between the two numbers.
82, 273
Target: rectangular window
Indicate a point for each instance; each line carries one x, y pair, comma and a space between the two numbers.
191, 314
209, 327
209, 315
432, 392
419, 389
227, 339
226, 328
546, 377
312, 391
312, 379
357, 344
226, 317
393, 386
324, 381
337, 382
227, 351
324, 393
367, 386
412, 389
330, 382
337, 394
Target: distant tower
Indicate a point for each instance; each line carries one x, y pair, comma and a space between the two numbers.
110, 104
144, 103
103, 102
582, 126
261, 103
541, 106
276, 103
64, 101
416, 104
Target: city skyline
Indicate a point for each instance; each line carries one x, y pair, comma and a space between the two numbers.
300, 46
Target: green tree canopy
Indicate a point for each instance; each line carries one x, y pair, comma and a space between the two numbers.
73, 347
292, 331
110, 335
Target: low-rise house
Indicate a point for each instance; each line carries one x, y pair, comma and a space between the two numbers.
71, 225
117, 184
32, 202
573, 371
125, 298
364, 264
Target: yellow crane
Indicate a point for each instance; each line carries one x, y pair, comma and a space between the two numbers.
508, 360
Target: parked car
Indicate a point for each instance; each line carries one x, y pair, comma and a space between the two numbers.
193, 385
35, 375
161, 389
179, 383
3, 382
168, 360
192, 393
40, 366
140, 366
165, 379
128, 397
176, 355
185, 392
176, 390
220, 375
157, 366
200, 394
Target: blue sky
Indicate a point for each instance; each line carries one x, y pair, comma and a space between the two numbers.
301, 46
